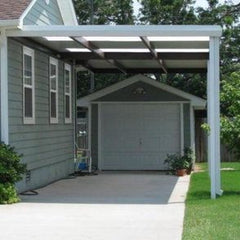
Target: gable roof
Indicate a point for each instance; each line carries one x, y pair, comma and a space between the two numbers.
13, 12
196, 102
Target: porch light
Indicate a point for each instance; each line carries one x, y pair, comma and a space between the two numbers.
182, 50
131, 50
179, 39
78, 50
113, 39
60, 39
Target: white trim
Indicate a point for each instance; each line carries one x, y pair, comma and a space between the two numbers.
196, 101
68, 68
192, 128
118, 30
26, 11
13, 23
137, 102
65, 6
99, 136
181, 128
90, 130
68, 12
29, 52
53, 61
4, 87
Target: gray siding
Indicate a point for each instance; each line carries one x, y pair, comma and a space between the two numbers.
44, 14
187, 129
151, 94
94, 135
47, 148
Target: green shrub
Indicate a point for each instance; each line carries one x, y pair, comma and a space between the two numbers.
8, 194
178, 161
11, 169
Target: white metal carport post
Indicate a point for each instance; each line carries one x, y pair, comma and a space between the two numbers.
214, 117
4, 86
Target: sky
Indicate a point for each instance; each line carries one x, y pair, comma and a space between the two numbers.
200, 3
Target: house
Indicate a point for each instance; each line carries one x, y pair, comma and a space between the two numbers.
42, 48
40, 94
135, 123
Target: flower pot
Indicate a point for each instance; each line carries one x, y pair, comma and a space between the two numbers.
181, 172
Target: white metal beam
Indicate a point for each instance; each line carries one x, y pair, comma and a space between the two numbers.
117, 30
214, 117
4, 87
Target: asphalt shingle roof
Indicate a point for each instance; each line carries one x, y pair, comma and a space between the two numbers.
12, 9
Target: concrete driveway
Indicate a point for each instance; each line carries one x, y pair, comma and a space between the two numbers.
110, 206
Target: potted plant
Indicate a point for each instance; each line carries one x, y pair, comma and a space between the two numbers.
177, 164
181, 166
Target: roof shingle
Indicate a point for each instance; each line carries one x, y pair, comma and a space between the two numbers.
12, 9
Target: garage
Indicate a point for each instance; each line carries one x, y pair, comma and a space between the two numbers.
135, 123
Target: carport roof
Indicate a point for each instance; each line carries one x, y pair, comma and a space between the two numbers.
128, 49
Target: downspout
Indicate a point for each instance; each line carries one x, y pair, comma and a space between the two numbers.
4, 87
75, 108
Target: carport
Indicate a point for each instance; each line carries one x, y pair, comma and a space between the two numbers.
138, 49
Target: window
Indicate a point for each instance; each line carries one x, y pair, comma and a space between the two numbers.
68, 93
28, 86
53, 86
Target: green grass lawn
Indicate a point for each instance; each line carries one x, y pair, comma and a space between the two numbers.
219, 219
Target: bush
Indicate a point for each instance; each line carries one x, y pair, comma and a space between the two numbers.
177, 161
11, 171
8, 194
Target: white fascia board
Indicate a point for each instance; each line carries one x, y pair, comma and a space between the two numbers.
13, 23
196, 102
24, 14
68, 12
117, 30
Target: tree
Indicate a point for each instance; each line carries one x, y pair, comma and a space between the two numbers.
105, 11
230, 119
227, 16
167, 12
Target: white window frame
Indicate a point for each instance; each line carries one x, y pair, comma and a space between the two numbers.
29, 52
53, 61
68, 68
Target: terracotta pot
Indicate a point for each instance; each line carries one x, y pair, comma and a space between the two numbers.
181, 172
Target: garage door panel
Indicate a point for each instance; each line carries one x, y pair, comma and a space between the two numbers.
119, 161
138, 136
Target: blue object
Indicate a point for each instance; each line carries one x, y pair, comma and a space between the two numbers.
82, 166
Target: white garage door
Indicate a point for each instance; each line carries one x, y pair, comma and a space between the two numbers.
138, 136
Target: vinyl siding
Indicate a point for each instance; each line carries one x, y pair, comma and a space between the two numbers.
126, 94
47, 148
44, 14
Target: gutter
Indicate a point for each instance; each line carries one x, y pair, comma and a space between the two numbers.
8, 24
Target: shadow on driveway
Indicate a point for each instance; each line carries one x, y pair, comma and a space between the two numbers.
109, 188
